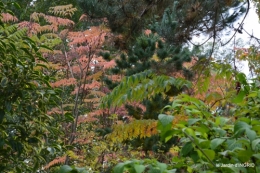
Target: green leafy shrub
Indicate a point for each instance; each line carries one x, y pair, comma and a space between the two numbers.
25, 94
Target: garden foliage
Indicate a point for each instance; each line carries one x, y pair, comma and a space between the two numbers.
117, 89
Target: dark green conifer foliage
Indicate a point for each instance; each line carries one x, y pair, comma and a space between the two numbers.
185, 19
176, 20
127, 17
150, 52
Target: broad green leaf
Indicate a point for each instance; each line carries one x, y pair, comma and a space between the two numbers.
239, 98
166, 132
204, 143
216, 142
241, 78
80, 170
257, 156
220, 121
168, 135
165, 119
244, 155
154, 170
193, 121
241, 125
232, 144
162, 166
65, 169
256, 128
255, 122
239, 133
253, 94
189, 131
251, 134
186, 149
226, 153
245, 119
209, 153
119, 168
194, 155
255, 143
202, 128
220, 132
139, 168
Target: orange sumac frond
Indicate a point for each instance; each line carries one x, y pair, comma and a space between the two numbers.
83, 17
91, 117
93, 37
54, 21
109, 64
93, 85
64, 82
6, 17
56, 161
35, 28
83, 50
63, 10
58, 21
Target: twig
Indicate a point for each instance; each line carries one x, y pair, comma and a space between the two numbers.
240, 25
192, 140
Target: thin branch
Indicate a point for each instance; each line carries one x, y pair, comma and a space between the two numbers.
240, 25
213, 104
201, 43
193, 141
234, 59
68, 63
252, 36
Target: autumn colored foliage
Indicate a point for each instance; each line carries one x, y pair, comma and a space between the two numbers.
95, 103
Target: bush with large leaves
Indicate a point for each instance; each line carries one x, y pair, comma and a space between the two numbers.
25, 94
209, 141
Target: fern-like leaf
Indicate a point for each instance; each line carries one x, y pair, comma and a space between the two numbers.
8, 29
63, 10
141, 86
18, 34
134, 129
56, 161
